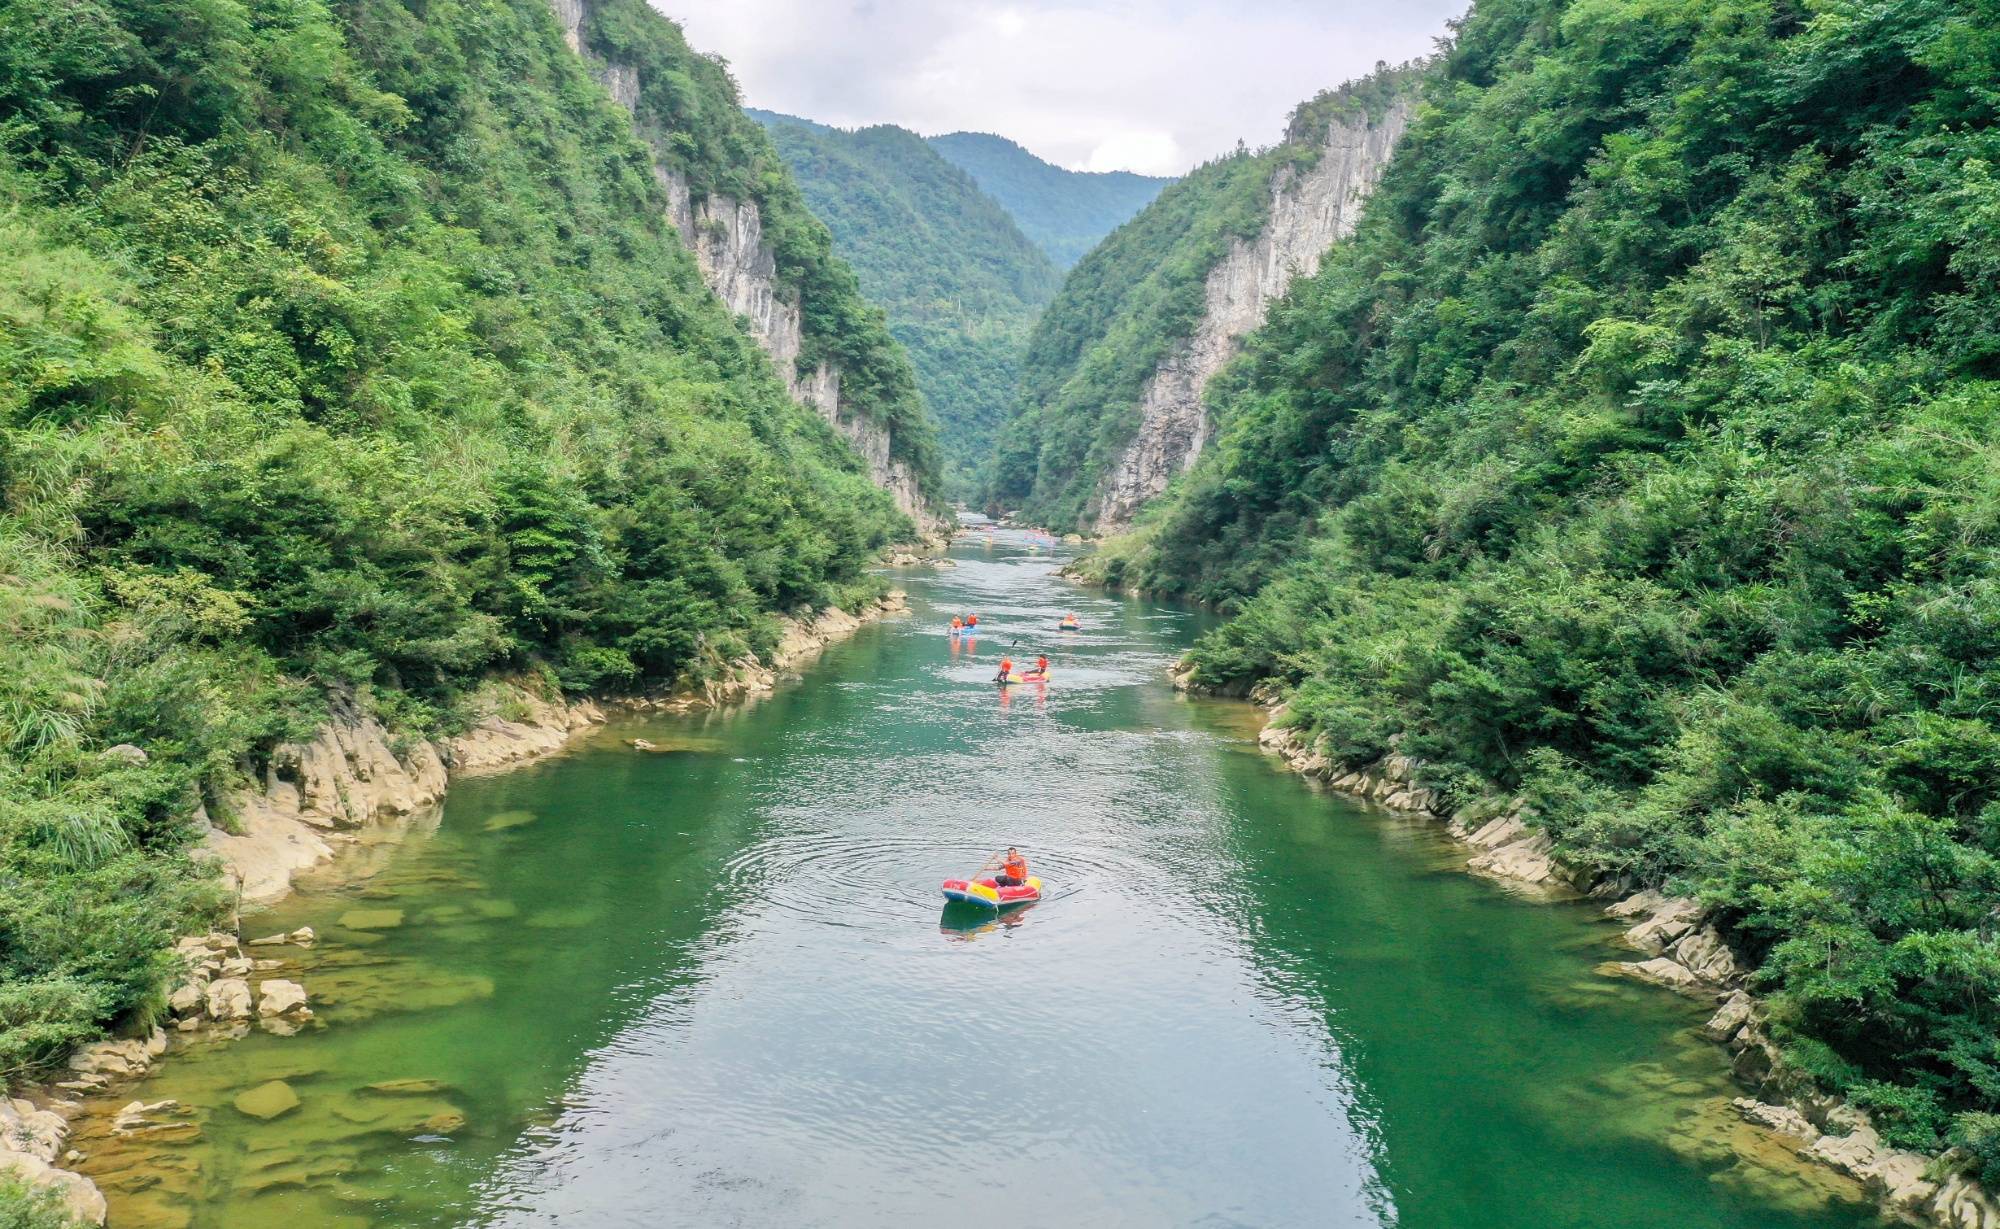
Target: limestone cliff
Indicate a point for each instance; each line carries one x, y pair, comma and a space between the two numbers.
726, 236
1309, 212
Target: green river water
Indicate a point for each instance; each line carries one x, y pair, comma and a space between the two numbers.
712, 985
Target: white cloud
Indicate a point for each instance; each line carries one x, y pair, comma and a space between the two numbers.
1103, 84
1150, 153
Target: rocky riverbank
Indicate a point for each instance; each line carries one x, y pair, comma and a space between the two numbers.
353, 778
1682, 951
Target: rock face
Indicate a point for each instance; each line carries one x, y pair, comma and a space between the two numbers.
353, 773
726, 236
1309, 212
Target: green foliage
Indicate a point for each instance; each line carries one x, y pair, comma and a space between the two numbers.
350, 346
689, 109
1126, 306
960, 283
1641, 453
1064, 212
26, 1207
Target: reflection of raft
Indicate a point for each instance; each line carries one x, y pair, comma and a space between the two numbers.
989, 895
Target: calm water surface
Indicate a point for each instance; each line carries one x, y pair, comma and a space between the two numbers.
711, 985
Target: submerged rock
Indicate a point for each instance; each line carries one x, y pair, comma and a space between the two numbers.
267, 1101
372, 919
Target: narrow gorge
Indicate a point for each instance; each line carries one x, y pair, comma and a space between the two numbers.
543, 609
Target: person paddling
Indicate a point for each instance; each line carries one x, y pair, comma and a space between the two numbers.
1013, 868
1006, 674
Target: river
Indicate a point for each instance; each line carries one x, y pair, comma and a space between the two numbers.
711, 985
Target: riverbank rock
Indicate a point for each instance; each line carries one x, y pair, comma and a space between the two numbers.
1780, 1118
123, 1059
79, 1195
229, 999
1729, 1018
1513, 851
279, 997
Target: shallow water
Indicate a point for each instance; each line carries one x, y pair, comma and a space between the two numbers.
712, 985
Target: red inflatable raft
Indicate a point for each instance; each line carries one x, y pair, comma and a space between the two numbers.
990, 895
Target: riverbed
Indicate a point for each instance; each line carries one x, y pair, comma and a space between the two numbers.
711, 983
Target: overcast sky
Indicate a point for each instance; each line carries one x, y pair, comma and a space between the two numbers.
1090, 84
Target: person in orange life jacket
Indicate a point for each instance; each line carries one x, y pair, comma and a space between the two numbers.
1042, 666
957, 624
1006, 669
1013, 869
971, 622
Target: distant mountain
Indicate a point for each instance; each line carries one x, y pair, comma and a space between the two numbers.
960, 283
1065, 212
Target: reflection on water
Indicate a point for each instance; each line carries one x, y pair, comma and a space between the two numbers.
710, 983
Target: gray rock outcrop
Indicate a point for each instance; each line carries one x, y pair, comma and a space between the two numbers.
1309, 213
726, 236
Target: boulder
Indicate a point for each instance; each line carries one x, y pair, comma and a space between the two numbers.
236, 966
79, 1194
267, 1101
111, 1059
271, 940
1729, 1018
126, 753
279, 997
1780, 1118
188, 999
1962, 1203
1659, 971
229, 999
304, 936
37, 1132
1708, 957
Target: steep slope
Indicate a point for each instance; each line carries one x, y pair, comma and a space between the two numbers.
1065, 212
349, 355
1638, 454
960, 283
759, 247
1111, 410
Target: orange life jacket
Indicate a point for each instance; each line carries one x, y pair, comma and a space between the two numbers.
1016, 868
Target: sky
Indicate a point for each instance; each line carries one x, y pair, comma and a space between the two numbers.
1095, 85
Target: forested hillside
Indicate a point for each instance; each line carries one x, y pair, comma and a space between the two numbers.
1640, 453
347, 345
1130, 306
962, 286
1065, 212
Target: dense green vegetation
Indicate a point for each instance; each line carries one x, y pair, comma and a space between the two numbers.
689, 110
1064, 212
1129, 303
24, 1207
960, 283
1640, 453
346, 346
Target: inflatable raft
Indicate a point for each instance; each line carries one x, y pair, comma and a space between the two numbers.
989, 895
